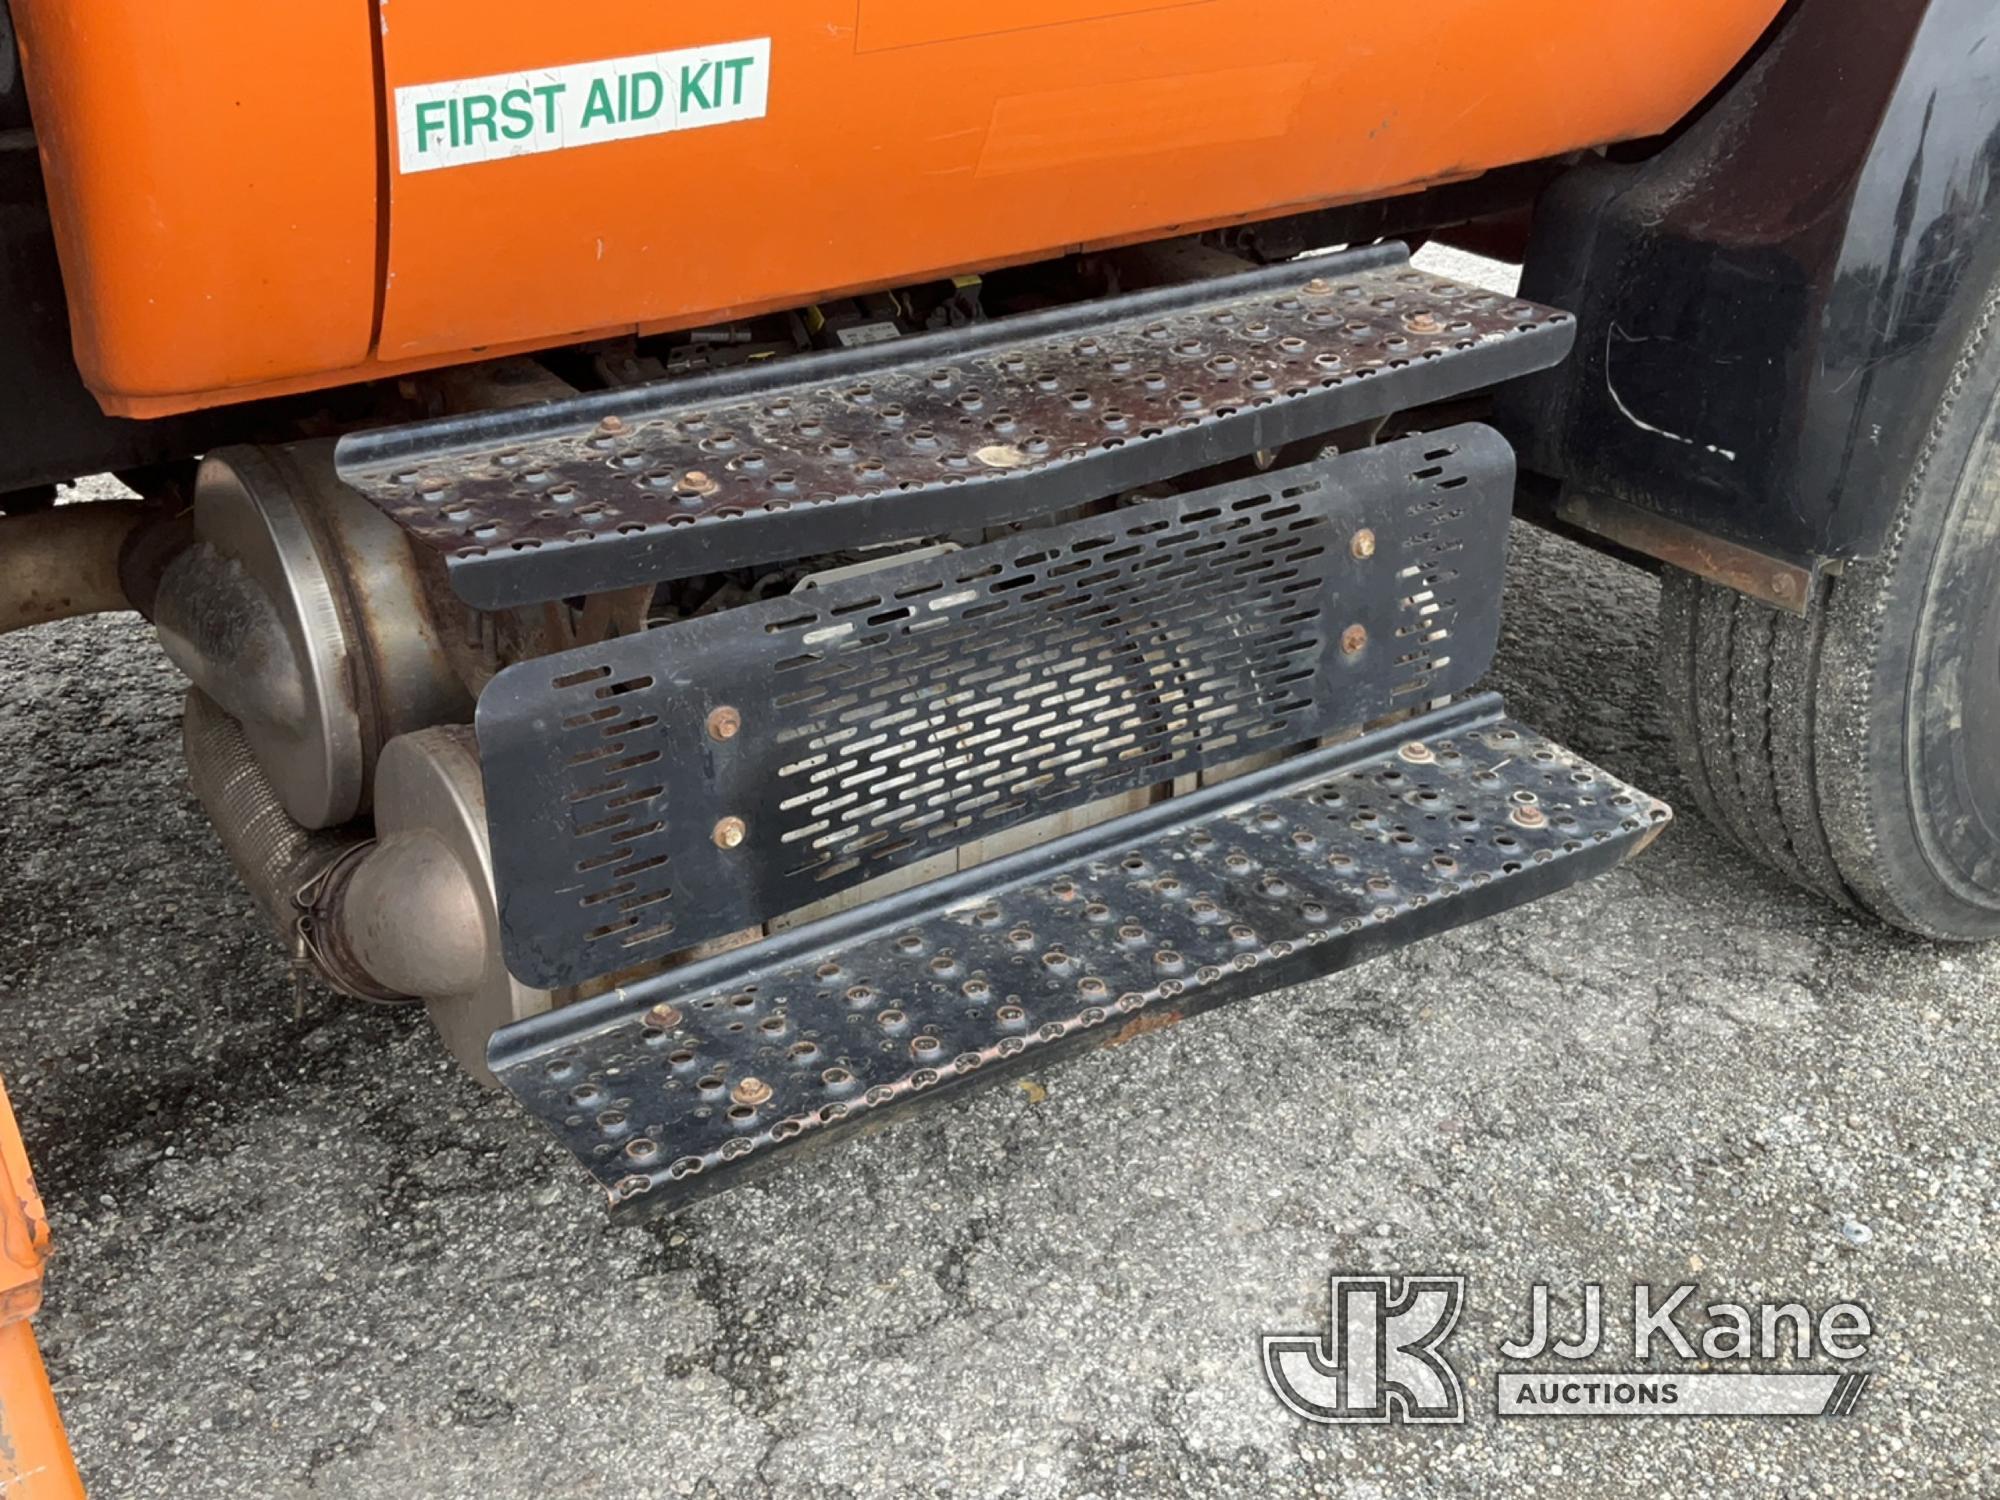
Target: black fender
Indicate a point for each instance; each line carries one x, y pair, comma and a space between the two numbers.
1769, 308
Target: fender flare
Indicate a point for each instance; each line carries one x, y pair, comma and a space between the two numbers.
1771, 307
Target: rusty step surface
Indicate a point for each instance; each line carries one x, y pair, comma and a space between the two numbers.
936, 433
693, 1080
662, 789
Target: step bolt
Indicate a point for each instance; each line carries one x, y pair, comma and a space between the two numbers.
751, 1092
723, 723
1353, 639
1529, 817
1417, 753
663, 1016
729, 833
1363, 545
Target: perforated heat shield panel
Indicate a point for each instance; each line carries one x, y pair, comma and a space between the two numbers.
666, 788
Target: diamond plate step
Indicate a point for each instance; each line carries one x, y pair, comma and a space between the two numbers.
937, 433
692, 1080
877, 721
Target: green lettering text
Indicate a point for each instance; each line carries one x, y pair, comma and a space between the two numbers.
427, 123
644, 107
515, 106
735, 67
547, 93
691, 86
479, 114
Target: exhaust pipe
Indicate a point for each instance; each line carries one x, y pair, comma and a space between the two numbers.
284, 865
409, 914
66, 561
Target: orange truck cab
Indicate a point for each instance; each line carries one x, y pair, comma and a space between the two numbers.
253, 199
770, 569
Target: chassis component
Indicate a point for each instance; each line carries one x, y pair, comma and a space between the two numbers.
301, 613
688, 1082
950, 432
1157, 673
666, 788
406, 914
64, 561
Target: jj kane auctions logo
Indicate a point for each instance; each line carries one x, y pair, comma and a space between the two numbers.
1382, 1356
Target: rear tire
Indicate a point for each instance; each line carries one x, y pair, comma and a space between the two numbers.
1857, 750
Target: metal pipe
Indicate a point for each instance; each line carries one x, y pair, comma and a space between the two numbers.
409, 915
63, 561
275, 856
377, 920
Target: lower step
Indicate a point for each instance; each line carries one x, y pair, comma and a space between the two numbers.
686, 1083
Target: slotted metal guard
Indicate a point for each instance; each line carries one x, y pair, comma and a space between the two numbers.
658, 790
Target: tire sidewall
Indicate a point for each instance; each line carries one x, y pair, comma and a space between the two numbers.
1901, 691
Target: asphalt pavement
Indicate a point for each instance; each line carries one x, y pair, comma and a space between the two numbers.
300, 1255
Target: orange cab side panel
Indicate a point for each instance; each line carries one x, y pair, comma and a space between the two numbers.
535, 192
212, 175
915, 136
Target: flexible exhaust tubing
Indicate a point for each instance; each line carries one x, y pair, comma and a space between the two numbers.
293, 872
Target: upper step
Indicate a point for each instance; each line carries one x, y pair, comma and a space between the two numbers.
942, 432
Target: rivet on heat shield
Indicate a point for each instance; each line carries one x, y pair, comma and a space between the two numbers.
1417, 753
729, 832
1363, 543
723, 723
751, 1092
1353, 639
1528, 817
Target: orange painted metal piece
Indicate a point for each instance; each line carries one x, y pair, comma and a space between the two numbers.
212, 176
234, 220
35, 1461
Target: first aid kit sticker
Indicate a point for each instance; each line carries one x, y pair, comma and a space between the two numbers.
554, 109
